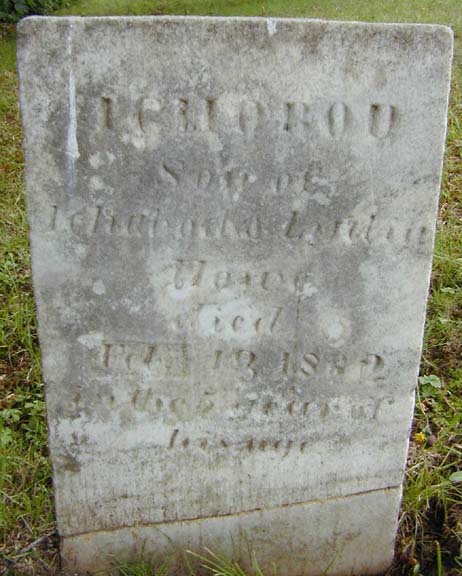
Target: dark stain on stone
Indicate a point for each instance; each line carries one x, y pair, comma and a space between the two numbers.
70, 463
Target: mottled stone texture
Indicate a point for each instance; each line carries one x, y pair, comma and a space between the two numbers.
232, 224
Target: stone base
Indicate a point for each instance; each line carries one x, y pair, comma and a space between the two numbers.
352, 535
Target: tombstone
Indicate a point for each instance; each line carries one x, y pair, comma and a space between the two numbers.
232, 224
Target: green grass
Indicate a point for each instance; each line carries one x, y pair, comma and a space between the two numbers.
432, 505
447, 11
26, 506
430, 535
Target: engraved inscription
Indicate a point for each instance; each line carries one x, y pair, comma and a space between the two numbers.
383, 119
201, 274
160, 359
251, 117
148, 114
190, 114
188, 273
367, 229
244, 361
298, 117
106, 104
196, 114
173, 360
338, 119
147, 402
226, 320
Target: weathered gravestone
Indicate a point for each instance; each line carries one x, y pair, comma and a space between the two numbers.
232, 224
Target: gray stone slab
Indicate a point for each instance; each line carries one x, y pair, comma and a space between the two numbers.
232, 224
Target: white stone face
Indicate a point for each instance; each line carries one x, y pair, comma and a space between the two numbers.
232, 225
